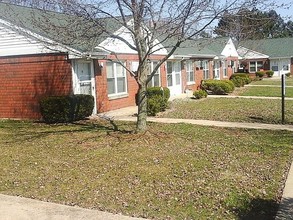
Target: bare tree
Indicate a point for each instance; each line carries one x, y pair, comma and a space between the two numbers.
153, 25
58, 6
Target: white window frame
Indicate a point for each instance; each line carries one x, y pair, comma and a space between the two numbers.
286, 67
216, 68
169, 74
175, 71
114, 69
206, 69
152, 81
256, 66
225, 71
190, 72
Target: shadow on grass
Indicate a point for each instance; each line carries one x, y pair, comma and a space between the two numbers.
29, 132
258, 209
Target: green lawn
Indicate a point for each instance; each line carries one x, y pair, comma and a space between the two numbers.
231, 109
170, 172
266, 91
274, 81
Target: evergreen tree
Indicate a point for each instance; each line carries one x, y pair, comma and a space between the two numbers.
253, 24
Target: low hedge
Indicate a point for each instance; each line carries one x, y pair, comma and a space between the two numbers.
157, 100
238, 81
260, 74
245, 77
62, 109
198, 94
218, 87
269, 73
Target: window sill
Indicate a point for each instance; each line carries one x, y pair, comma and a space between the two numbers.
118, 96
190, 83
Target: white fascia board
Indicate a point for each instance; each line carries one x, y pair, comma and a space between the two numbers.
278, 58
45, 45
115, 45
221, 57
181, 56
208, 56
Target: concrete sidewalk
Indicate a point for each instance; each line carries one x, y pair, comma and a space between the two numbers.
128, 114
18, 208
286, 207
212, 123
247, 97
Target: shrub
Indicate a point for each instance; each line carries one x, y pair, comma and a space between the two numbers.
269, 73
218, 87
157, 100
231, 84
60, 109
154, 105
238, 81
260, 74
83, 106
244, 76
198, 94
288, 74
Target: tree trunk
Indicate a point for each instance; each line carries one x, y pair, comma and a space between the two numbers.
141, 123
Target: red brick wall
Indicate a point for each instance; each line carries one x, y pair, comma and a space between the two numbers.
291, 67
163, 71
104, 103
183, 76
266, 64
230, 68
198, 77
26, 79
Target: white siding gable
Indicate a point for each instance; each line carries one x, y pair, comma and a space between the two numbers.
250, 54
17, 41
229, 49
115, 45
12, 43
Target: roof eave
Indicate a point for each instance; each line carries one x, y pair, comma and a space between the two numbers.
284, 57
208, 56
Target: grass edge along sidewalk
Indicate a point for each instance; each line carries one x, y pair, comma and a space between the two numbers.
233, 109
178, 170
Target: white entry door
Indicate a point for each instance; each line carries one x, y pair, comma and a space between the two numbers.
285, 66
280, 66
174, 77
84, 82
